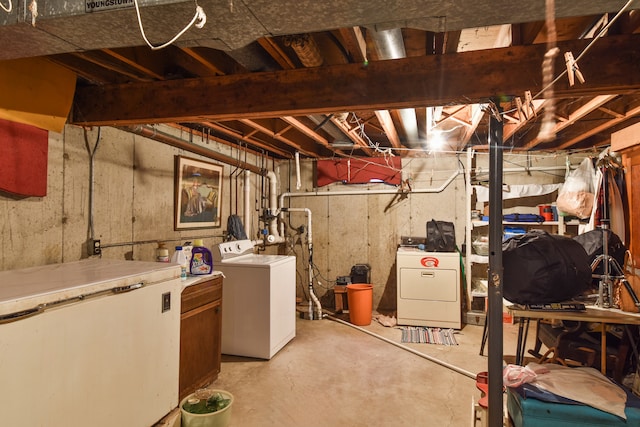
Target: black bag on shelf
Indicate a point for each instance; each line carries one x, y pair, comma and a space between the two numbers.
539, 267
523, 217
441, 236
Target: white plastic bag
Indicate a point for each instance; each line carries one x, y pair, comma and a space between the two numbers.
576, 195
516, 375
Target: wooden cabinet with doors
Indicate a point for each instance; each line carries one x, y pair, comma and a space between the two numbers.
631, 162
627, 143
200, 335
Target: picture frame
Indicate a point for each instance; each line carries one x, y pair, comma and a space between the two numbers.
197, 194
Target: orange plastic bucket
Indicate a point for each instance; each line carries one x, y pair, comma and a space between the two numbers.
360, 299
546, 212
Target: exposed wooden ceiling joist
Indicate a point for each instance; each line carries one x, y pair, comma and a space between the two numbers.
576, 115
611, 67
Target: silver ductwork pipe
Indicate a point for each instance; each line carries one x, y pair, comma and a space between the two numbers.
390, 45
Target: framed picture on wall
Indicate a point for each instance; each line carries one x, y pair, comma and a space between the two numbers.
197, 194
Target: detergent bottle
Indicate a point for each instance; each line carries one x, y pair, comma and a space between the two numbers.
201, 260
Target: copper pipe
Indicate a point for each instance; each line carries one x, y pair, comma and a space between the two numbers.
165, 138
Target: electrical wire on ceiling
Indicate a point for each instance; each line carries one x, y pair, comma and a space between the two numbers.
361, 132
547, 132
199, 19
92, 152
7, 9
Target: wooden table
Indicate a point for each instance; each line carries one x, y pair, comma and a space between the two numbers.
591, 314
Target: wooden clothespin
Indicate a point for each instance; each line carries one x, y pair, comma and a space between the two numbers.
528, 103
572, 69
406, 186
521, 111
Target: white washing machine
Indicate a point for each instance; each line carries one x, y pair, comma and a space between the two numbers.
258, 300
428, 288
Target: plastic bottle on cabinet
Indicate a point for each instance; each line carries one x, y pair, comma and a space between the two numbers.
186, 248
180, 258
201, 260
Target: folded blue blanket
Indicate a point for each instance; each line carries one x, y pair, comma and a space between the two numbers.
528, 390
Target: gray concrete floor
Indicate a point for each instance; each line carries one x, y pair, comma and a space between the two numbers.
332, 374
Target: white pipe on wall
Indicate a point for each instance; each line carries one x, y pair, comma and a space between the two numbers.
247, 199
313, 298
298, 183
274, 236
308, 212
366, 192
273, 188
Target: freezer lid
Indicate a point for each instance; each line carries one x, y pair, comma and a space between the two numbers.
27, 288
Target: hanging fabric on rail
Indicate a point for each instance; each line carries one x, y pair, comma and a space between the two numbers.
235, 228
24, 151
611, 196
360, 171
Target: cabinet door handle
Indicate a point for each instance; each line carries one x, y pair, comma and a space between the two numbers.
217, 309
428, 274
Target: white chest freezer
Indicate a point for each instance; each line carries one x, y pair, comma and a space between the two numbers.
89, 343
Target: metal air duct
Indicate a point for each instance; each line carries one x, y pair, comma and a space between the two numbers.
390, 45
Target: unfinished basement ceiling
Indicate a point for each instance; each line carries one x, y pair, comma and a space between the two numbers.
343, 78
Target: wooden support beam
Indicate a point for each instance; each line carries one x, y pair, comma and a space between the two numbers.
249, 139
389, 129
306, 130
469, 77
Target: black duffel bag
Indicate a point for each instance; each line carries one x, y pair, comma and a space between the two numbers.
544, 268
441, 236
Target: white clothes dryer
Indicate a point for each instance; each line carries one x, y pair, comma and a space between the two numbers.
428, 288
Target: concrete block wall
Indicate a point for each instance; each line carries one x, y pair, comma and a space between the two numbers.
367, 228
133, 204
133, 201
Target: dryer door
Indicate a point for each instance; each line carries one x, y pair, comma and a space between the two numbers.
428, 284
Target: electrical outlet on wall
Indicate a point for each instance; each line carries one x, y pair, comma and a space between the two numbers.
93, 247
166, 301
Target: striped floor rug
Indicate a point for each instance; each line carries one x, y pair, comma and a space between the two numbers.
425, 335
